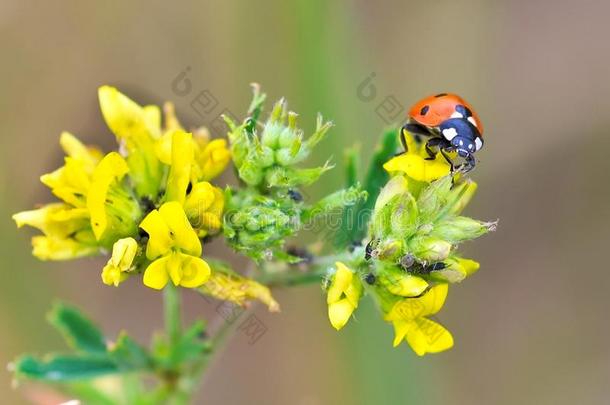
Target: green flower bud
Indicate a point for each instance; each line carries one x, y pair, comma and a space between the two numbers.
430, 249
251, 173
433, 198
390, 250
456, 270
287, 137
397, 185
459, 196
266, 157
289, 177
459, 229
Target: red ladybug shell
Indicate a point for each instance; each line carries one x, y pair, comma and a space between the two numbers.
434, 110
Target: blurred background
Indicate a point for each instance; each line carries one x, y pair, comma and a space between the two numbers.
531, 327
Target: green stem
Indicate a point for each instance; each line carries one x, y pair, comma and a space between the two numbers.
171, 306
289, 276
272, 276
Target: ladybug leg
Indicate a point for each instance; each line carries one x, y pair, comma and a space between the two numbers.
468, 165
447, 157
432, 147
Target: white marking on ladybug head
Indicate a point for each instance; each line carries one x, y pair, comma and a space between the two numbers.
461, 142
449, 133
478, 142
456, 114
472, 121
470, 147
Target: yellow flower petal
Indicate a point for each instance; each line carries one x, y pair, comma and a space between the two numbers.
401, 328
123, 253
409, 309
427, 336
204, 207
341, 281
112, 275
339, 313
235, 288
180, 170
52, 248
111, 169
58, 220
156, 275
180, 229
137, 129
171, 121
160, 240
407, 285
127, 119
174, 267
434, 299
417, 167
195, 271
213, 159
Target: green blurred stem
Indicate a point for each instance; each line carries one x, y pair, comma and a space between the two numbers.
273, 275
282, 275
171, 307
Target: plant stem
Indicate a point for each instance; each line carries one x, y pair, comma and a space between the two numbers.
171, 307
289, 277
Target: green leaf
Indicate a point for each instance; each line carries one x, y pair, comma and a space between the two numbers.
339, 199
129, 355
256, 105
376, 176
78, 331
354, 229
64, 367
87, 393
352, 160
191, 346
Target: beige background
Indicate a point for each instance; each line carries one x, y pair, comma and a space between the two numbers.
531, 327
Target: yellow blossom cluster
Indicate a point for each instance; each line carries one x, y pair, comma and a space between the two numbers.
150, 203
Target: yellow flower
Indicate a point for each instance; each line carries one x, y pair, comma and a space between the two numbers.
184, 270
410, 323
398, 282
343, 295
175, 249
113, 210
212, 158
70, 182
137, 128
235, 288
204, 207
180, 169
123, 253
414, 162
209, 158
67, 233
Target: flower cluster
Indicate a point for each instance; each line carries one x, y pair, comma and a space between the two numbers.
411, 255
151, 203
271, 208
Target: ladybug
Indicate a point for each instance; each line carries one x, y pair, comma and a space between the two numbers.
450, 123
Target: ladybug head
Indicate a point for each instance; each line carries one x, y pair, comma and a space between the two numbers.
463, 145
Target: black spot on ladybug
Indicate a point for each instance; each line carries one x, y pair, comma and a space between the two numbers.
440, 95
424, 110
465, 111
